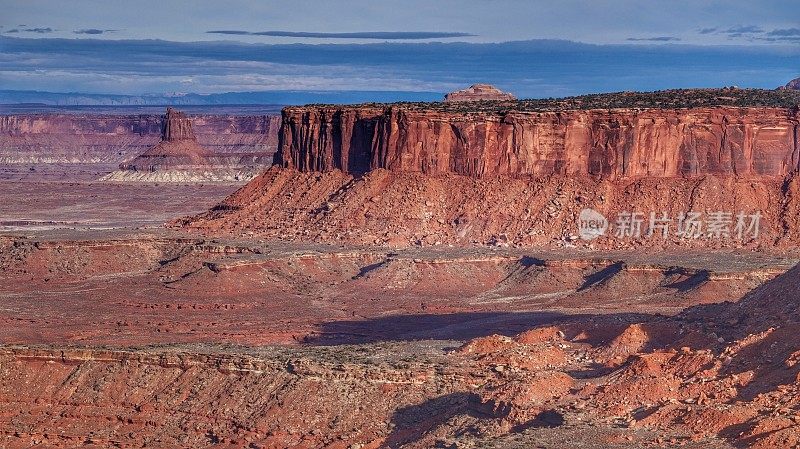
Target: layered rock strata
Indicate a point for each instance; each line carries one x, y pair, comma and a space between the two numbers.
613, 144
85, 146
528, 173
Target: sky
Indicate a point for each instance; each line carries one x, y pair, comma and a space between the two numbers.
531, 48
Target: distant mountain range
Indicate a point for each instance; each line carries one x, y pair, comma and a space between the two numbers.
243, 98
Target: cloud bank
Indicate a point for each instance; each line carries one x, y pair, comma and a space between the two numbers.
532, 69
31, 30
381, 35
755, 33
654, 39
93, 31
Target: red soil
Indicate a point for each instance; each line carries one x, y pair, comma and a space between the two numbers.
636, 378
168, 338
403, 209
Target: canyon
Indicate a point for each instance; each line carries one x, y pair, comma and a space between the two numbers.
72, 145
413, 275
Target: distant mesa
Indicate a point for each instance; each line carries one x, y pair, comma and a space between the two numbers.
178, 148
479, 92
178, 157
343, 172
792, 85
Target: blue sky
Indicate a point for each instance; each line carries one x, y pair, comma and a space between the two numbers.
532, 48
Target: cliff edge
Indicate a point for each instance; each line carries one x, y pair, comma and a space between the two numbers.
730, 132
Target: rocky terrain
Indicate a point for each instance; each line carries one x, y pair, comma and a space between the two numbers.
178, 157
451, 275
411, 209
522, 174
150, 287
174, 346
83, 146
479, 92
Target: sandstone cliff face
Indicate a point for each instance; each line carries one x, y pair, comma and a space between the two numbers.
176, 126
618, 143
404, 175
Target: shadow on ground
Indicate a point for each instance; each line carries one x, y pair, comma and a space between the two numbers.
453, 326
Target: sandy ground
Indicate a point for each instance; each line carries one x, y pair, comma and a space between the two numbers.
37, 205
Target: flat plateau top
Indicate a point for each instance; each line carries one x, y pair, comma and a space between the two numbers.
665, 99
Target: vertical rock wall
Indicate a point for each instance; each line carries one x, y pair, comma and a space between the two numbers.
723, 141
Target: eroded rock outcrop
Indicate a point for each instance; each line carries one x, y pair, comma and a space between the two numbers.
176, 126
178, 148
180, 158
479, 92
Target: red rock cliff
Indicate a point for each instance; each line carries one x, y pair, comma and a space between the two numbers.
612, 143
177, 126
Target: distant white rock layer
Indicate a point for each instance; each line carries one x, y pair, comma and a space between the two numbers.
201, 175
